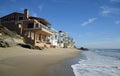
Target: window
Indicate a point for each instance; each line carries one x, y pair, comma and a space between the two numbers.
30, 25
13, 18
20, 18
37, 25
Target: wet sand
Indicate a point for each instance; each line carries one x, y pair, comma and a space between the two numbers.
18, 61
64, 68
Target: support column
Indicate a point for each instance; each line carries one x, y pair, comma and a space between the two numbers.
41, 38
34, 38
46, 39
30, 34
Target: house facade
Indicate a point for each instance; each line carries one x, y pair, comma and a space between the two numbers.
34, 30
53, 39
64, 41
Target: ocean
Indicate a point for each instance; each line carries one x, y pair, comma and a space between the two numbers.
98, 62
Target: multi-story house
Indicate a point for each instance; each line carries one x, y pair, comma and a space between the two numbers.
34, 30
53, 39
64, 41
70, 42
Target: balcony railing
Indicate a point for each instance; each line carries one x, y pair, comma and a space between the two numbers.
43, 28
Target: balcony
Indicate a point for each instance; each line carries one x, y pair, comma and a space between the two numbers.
40, 29
45, 28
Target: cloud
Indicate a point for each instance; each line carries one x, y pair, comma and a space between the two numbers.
107, 10
89, 21
34, 14
40, 7
117, 22
118, 1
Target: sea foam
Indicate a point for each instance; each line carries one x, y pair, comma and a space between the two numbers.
97, 65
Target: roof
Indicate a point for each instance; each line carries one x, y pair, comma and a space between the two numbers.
41, 20
31, 17
14, 13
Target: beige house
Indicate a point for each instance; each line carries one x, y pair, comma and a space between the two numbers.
34, 30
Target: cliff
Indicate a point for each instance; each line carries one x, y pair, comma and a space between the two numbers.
9, 38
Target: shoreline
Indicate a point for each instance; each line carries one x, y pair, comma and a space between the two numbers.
64, 68
18, 61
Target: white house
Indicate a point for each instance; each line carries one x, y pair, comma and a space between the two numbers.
53, 39
64, 41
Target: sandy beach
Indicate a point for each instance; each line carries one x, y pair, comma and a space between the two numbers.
18, 61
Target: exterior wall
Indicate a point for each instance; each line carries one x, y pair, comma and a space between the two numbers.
61, 39
41, 40
19, 23
12, 17
9, 21
29, 41
36, 39
53, 39
64, 40
29, 37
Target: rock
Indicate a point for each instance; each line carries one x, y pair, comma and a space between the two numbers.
30, 46
82, 48
10, 42
38, 48
26, 46
4, 44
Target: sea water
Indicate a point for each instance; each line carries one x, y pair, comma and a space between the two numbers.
100, 62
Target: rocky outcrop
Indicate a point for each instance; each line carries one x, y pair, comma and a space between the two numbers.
10, 39
10, 42
5, 32
82, 48
31, 47
3, 44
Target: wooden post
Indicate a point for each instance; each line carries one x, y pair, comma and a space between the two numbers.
41, 37
34, 38
46, 39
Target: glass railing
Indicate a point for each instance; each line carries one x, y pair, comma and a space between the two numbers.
44, 27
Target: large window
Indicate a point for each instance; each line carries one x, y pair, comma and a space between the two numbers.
30, 25
20, 18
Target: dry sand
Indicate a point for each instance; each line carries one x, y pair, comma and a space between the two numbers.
18, 61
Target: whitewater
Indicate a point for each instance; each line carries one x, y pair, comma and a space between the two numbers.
105, 62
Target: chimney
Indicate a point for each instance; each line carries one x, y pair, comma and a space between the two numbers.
26, 13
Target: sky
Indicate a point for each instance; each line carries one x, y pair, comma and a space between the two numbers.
92, 23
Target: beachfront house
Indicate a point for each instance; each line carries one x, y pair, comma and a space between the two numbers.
64, 41
70, 42
53, 39
34, 30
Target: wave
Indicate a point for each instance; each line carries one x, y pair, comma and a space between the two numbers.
97, 65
